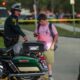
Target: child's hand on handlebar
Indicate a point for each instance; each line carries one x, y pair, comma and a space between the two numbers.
35, 34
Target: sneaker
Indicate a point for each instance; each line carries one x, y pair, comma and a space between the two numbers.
51, 78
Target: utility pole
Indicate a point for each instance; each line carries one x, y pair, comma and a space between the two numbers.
72, 2
35, 11
52, 5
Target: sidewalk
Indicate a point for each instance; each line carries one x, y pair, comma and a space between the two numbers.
67, 58
67, 27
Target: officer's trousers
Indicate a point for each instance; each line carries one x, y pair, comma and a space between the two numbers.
10, 42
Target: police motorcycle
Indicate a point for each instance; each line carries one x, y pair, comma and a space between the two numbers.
28, 64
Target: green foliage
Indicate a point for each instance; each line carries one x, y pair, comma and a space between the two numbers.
43, 3
64, 4
77, 5
1, 0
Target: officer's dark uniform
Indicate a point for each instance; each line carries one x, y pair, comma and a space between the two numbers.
11, 27
12, 31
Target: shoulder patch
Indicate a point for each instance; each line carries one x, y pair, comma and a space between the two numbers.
14, 21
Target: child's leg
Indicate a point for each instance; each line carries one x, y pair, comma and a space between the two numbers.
50, 60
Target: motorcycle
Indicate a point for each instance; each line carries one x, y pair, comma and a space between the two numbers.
30, 63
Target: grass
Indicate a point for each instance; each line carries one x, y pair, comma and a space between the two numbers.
62, 32
76, 25
29, 27
66, 33
1, 42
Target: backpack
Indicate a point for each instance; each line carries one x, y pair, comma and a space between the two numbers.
50, 28
51, 33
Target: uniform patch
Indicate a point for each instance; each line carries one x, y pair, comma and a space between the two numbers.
14, 21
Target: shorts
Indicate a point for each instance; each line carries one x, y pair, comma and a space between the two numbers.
49, 55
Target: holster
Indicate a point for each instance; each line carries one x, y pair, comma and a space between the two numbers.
10, 41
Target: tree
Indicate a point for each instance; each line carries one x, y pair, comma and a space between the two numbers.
56, 5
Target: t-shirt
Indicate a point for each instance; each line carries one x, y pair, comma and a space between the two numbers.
45, 35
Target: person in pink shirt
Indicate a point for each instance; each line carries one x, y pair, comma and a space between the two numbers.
43, 34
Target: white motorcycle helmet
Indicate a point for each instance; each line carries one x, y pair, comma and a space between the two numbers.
16, 6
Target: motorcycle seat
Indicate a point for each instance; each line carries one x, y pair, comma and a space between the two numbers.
2, 51
3, 54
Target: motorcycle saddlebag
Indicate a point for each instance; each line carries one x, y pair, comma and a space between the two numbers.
33, 47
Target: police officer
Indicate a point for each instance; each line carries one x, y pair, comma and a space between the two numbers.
12, 29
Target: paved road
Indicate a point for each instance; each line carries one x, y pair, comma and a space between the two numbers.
67, 58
